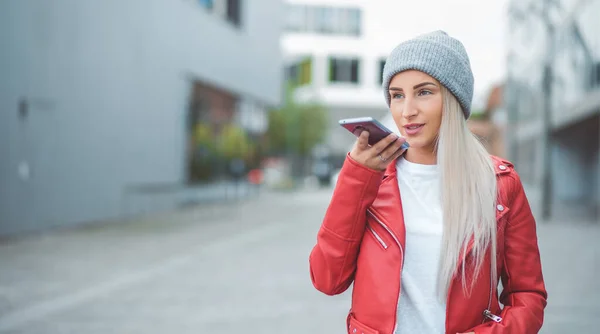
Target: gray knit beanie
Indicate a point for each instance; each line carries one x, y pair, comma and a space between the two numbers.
440, 56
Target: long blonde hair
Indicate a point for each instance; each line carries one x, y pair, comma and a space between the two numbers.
468, 188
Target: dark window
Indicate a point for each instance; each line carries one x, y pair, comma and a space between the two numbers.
354, 71
343, 70
300, 73
233, 12
291, 73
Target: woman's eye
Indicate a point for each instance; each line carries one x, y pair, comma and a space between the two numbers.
425, 92
397, 95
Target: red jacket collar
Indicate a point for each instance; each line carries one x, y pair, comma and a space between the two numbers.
501, 166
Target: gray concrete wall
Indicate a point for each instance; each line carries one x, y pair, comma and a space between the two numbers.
107, 84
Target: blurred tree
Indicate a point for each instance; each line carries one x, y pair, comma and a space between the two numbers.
203, 137
312, 127
296, 128
276, 140
234, 143
478, 114
203, 153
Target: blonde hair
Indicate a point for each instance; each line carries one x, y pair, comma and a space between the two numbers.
468, 188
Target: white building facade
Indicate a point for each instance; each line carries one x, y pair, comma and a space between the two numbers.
336, 57
335, 49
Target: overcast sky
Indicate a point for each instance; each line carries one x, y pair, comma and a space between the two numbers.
480, 25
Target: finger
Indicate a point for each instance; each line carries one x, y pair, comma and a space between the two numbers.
363, 140
392, 148
394, 155
396, 149
385, 142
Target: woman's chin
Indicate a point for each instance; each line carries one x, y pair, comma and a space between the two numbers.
418, 145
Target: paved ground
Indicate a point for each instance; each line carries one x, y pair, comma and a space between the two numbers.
219, 269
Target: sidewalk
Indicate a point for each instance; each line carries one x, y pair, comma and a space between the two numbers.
226, 268
47, 274
570, 253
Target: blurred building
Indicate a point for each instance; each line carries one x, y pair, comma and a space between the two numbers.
490, 124
99, 100
335, 55
553, 103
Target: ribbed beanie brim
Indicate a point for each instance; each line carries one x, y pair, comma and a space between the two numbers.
440, 56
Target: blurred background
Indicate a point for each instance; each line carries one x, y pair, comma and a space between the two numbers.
165, 165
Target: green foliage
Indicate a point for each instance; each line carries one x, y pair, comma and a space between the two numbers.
203, 152
203, 136
478, 115
312, 128
234, 143
277, 131
296, 128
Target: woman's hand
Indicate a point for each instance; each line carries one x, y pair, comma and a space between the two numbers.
379, 155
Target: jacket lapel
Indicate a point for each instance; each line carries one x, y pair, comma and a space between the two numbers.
388, 204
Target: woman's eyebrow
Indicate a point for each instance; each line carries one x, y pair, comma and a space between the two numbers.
422, 84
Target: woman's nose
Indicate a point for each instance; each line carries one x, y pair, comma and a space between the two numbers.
410, 108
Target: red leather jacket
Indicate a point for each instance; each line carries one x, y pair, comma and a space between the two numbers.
362, 240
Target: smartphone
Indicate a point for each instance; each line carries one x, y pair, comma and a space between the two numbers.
377, 131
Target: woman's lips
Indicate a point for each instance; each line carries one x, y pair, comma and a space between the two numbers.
413, 129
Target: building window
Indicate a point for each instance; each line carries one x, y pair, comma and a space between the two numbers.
300, 74
229, 10
352, 22
343, 70
233, 12
381, 66
324, 20
305, 72
291, 73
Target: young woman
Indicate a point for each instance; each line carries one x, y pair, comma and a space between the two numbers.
426, 234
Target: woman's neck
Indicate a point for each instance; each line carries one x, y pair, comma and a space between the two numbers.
419, 156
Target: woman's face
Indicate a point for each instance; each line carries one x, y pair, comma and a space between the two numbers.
416, 106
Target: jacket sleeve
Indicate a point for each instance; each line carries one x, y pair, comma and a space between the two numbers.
524, 294
333, 258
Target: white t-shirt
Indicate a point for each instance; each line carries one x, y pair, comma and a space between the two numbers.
419, 310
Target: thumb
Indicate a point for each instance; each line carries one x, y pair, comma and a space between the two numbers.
363, 140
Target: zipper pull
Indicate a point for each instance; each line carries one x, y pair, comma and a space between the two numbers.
492, 316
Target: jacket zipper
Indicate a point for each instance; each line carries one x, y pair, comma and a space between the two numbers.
487, 313
492, 316
385, 246
401, 263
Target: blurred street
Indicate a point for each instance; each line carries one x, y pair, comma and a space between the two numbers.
228, 269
